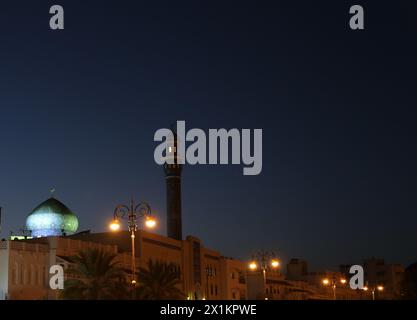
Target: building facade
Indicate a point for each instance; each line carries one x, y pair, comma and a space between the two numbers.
378, 273
204, 273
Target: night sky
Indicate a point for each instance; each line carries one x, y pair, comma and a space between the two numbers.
79, 108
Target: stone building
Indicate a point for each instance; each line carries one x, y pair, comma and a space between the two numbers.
204, 273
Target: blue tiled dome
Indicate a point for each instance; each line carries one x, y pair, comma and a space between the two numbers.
51, 218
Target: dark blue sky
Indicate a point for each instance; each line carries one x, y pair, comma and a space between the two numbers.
79, 108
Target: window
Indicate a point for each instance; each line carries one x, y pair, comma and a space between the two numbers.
242, 279
233, 295
196, 262
44, 276
215, 290
29, 280
22, 274
233, 275
15, 274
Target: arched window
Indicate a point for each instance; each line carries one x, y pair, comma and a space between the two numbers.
37, 275
44, 276
40, 268
29, 275
33, 276
22, 275
15, 278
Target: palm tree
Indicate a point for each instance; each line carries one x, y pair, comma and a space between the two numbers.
95, 275
159, 281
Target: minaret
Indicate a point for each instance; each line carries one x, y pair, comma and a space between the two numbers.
173, 183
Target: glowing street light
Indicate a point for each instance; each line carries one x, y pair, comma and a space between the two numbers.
373, 289
150, 222
264, 260
115, 225
253, 265
333, 283
274, 263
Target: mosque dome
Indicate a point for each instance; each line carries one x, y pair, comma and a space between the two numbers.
51, 218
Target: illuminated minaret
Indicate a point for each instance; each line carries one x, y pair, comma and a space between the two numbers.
173, 182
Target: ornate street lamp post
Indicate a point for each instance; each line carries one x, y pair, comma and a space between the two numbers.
264, 260
333, 282
132, 214
373, 289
